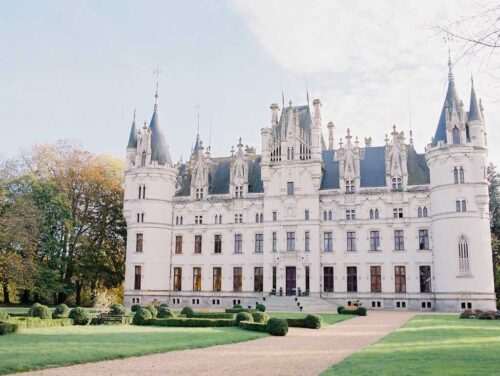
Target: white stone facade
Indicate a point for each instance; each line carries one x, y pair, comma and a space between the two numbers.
384, 225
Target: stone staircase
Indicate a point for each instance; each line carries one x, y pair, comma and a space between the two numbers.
289, 304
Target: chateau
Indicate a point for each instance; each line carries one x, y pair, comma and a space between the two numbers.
335, 220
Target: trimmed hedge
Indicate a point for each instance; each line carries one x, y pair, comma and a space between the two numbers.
40, 310
142, 316
117, 309
79, 316
243, 316
254, 326
7, 328
135, 307
309, 322
277, 327
260, 317
164, 312
191, 323
237, 306
360, 311
60, 312
36, 322
4, 315
260, 307
212, 315
151, 308
188, 311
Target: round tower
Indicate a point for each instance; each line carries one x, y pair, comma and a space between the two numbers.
149, 189
463, 271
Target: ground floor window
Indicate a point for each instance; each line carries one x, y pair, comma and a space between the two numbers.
258, 279
352, 279
400, 279
137, 277
197, 279
376, 278
237, 278
425, 278
328, 279
274, 278
217, 279
177, 279
307, 278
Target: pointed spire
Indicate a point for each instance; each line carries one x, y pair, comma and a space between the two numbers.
450, 66
159, 147
132, 138
474, 109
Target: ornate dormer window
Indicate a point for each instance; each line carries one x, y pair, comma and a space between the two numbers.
349, 157
199, 167
396, 161
239, 172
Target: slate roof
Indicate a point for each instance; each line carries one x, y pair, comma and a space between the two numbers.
159, 148
372, 172
451, 102
305, 120
132, 138
474, 111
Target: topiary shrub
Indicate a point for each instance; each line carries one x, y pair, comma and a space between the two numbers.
135, 307
142, 316
260, 317
340, 309
164, 312
312, 322
40, 310
467, 314
361, 311
188, 311
487, 315
151, 308
4, 315
243, 316
117, 309
79, 316
7, 327
237, 306
260, 307
277, 327
61, 312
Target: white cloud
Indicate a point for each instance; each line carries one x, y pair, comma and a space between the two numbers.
371, 62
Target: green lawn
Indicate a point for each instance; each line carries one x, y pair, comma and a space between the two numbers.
430, 345
42, 348
326, 318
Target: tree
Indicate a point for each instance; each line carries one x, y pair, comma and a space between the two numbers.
493, 183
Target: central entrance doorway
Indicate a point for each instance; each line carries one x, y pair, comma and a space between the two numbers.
290, 280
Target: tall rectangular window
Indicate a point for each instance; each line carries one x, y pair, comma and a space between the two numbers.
376, 278
290, 241
400, 279
423, 239
275, 216
237, 278
351, 241
307, 241
328, 278
139, 242
306, 214
217, 279
308, 277
177, 279
290, 188
425, 278
374, 240
258, 279
238, 246
197, 244
197, 279
178, 244
274, 278
217, 243
352, 279
399, 240
137, 277
259, 243
275, 241
328, 241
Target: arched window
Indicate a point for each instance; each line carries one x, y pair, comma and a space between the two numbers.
330, 215
419, 212
463, 256
456, 135
462, 175
455, 175
143, 159
376, 213
371, 214
425, 211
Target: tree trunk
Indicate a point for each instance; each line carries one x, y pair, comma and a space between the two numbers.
78, 298
6, 296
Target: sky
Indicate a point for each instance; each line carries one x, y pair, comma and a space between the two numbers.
76, 70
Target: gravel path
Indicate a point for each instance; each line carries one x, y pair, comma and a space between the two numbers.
301, 352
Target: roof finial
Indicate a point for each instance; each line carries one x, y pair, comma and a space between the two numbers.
134, 116
156, 72
450, 66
